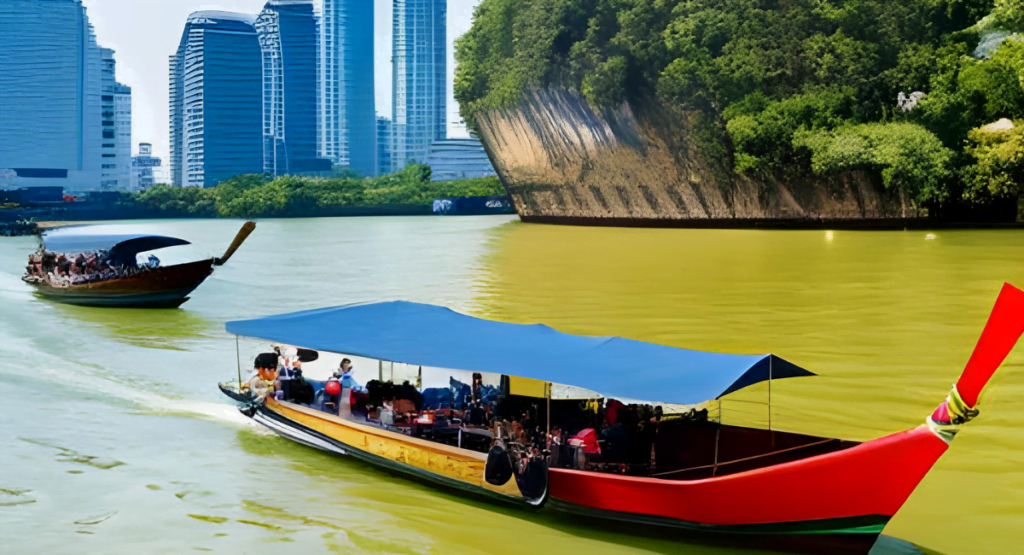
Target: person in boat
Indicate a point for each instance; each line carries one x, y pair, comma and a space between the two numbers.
555, 447
477, 414
262, 381
344, 374
477, 388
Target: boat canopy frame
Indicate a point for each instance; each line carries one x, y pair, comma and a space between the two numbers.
434, 336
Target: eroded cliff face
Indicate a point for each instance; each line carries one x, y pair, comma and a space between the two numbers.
562, 161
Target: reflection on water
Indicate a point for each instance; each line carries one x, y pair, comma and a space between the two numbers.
886, 318
141, 327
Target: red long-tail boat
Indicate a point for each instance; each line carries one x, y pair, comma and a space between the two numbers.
703, 475
131, 285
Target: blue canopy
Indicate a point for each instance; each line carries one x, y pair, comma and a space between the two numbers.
435, 336
126, 244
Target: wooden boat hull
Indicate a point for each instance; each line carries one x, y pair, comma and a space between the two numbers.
166, 287
436, 463
853, 492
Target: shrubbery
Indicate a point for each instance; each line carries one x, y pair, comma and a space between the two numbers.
253, 196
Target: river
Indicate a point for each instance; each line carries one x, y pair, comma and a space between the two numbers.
114, 438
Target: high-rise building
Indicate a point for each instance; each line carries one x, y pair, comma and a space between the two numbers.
383, 145
419, 90
347, 125
216, 112
144, 168
287, 33
50, 90
116, 123
123, 125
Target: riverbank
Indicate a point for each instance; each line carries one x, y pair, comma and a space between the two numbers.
409, 192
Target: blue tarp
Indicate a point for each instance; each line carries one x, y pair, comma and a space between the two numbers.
428, 335
131, 243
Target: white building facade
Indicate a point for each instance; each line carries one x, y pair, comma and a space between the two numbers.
452, 159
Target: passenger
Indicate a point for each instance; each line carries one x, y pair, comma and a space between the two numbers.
348, 385
478, 387
555, 446
477, 414
344, 373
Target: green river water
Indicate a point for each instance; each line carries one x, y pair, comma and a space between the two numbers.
114, 438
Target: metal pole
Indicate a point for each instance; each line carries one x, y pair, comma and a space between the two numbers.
238, 362
548, 391
718, 431
770, 396
380, 371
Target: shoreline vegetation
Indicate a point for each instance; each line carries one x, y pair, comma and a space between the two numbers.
255, 196
926, 96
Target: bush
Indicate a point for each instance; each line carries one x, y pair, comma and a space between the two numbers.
253, 196
997, 169
908, 157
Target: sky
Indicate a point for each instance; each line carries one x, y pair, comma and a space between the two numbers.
144, 33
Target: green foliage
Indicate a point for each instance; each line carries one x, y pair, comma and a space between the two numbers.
998, 163
253, 196
908, 157
786, 87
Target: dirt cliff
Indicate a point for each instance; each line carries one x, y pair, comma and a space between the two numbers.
564, 162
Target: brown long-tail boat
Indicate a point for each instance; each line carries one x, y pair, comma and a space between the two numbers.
708, 476
131, 285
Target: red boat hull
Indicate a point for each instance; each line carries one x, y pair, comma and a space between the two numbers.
856, 490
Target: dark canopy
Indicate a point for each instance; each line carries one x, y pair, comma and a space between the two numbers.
125, 244
435, 336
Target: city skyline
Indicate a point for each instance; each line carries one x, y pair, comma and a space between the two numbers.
143, 51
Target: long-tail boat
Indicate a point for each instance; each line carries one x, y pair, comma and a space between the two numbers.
708, 476
137, 287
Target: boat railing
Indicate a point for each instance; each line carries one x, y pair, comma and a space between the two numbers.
715, 467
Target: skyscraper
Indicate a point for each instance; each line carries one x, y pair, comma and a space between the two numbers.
116, 123
419, 91
123, 125
347, 116
383, 146
216, 112
50, 90
287, 33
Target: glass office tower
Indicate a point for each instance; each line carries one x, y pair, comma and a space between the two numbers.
287, 33
50, 79
216, 112
419, 91
347, 117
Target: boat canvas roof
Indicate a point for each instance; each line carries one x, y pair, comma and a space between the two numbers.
428, 335
73, 240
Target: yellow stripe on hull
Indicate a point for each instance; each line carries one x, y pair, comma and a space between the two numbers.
443, 460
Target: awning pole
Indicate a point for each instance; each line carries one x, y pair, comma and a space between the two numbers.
547, 390
718, 431
238, 362
380, 371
